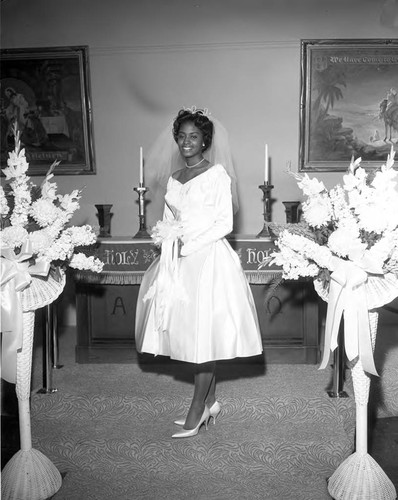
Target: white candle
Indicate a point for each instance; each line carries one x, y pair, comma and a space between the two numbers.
266, 165
141, 168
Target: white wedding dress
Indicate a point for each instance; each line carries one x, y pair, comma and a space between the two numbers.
205, 311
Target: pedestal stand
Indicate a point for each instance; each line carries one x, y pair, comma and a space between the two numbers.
142, 232
360, 476
29, 474
266, 189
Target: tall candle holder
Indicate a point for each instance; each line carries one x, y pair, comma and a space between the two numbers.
142, 232
266, 189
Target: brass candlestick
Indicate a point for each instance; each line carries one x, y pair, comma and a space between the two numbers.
142, 232
266, 189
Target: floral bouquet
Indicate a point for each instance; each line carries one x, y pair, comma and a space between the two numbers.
348, 244
166, 230
37, 244
167, 287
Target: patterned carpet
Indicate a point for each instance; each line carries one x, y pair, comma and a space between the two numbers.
120, 447
279, 437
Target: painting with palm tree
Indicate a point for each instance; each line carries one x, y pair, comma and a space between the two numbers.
349, 102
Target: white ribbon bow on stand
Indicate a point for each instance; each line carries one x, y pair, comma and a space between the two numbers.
347, 295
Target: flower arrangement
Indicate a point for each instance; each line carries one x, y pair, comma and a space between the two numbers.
348, 244
355, 222
34, 221
37, 243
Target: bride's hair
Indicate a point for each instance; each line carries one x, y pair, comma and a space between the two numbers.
200, 121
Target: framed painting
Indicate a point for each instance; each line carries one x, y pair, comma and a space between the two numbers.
349, 103
46, 91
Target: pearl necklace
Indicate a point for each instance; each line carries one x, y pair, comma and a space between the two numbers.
196, 164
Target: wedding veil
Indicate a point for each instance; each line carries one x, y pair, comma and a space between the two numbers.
164, 158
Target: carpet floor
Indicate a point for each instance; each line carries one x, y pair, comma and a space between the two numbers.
279, 435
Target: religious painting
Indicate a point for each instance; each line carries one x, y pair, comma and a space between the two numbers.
46, 93
349, 103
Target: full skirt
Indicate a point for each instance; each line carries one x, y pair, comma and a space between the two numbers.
214, 318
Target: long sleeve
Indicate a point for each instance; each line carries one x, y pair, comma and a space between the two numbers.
222, 217
167, 213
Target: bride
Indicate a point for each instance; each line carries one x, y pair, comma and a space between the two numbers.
195, 304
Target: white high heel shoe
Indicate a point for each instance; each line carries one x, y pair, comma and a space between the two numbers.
192, 432
214, 410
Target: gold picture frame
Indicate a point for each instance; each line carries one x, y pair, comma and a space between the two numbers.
348, 102
47, 92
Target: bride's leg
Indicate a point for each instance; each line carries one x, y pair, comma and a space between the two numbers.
203, 380
211, 395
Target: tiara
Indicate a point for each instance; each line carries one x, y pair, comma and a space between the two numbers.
194, 109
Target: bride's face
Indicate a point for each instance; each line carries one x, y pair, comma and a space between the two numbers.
190, 140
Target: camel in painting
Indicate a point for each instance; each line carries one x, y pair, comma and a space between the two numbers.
388, 112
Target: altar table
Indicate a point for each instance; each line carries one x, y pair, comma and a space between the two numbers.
105, 303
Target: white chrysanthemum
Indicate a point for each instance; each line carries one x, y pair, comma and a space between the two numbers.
13, 236
4, 208
384, 180
317, 211
44, 212
81, 261
370, 219
378, 217
41, 240
344, 240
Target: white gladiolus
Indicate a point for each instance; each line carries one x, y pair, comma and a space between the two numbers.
53, 240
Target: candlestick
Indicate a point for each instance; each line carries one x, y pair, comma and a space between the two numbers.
142, 232
266, 165
141, 168
266, 189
